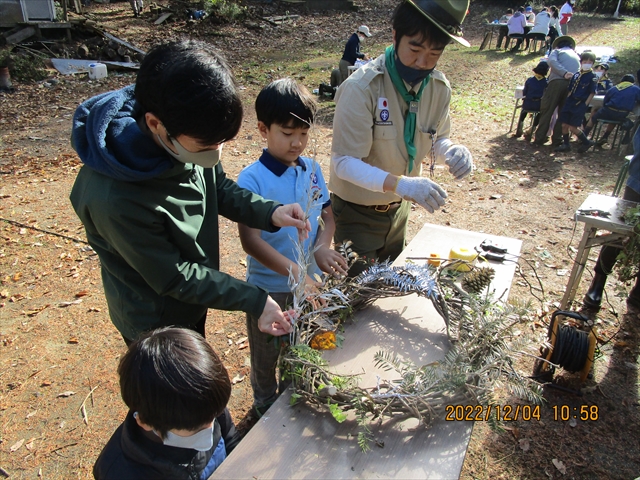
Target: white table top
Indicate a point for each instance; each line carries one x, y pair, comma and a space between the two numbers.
305, 442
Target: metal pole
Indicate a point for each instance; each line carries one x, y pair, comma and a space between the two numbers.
616, 14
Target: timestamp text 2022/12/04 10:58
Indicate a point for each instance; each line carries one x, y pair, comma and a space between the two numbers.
508, 413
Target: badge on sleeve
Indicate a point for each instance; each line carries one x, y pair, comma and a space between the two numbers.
383, 103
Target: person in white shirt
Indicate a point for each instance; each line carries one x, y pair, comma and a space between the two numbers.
540, 28
566, 12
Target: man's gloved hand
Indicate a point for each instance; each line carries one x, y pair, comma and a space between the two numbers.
423, 191
459, 159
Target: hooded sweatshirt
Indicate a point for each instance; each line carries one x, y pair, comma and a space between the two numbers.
153, 221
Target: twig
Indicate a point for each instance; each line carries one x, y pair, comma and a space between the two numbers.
55, 450
85, 417
18, 224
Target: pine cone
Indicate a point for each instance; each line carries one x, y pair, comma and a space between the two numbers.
478, 279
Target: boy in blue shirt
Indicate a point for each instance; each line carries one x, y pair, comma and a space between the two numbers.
285, 112
582, 88
178, 425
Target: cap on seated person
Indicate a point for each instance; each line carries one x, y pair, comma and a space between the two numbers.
542, 68
364, 30
603, 65
528, 9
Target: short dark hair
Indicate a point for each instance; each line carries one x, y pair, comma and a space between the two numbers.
286, 102
628, 78
174, 380
588, 56
407, 21
191, 89
509, 10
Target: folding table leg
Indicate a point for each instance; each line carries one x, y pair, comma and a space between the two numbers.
578, 266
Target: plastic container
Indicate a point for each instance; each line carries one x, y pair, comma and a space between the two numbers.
462, 253
97, 71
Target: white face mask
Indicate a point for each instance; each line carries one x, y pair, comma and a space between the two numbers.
201, 441
206, 159
599, 74
587, 66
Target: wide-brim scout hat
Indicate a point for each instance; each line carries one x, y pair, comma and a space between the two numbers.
563, 39
447, 15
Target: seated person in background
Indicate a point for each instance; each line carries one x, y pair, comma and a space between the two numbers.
504, 31
604, 84
554, 27
178, 425
516, 25
618, 102
352, 51
533, 90
582, 88
529, 16
540, 28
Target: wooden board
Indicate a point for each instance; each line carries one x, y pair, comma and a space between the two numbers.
305, 442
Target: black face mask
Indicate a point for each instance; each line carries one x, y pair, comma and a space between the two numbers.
411, 75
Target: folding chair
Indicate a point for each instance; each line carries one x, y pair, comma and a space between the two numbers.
519, 102
617, 136
624, 170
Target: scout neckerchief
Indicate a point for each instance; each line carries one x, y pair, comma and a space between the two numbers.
412, 103
577, 80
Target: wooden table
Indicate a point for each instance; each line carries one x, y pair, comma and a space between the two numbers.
489, 28
305, 442
616, 207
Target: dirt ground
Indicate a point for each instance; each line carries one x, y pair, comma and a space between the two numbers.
59, 396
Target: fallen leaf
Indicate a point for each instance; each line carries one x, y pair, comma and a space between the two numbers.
67, 304
237, 379
93, 309
29, 444
45, 383
82, 293
561, 273
243, 263
4, 294
66, 394
559, 465
73, 340
241, 340
495, 196
16, 277
16, 445
31, 414
524, 444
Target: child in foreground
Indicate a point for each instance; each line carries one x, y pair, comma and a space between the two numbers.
285, 112
178, 426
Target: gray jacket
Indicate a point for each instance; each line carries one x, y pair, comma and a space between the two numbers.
561, 61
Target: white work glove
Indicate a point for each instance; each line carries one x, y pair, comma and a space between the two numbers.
459, 160
423, 191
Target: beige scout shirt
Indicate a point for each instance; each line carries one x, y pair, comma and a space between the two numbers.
369, 124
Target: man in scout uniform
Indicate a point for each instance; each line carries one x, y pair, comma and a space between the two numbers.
390, 115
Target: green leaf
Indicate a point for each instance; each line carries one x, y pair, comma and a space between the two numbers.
294, 398
338, 414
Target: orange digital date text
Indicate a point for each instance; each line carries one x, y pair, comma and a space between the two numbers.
483, 413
